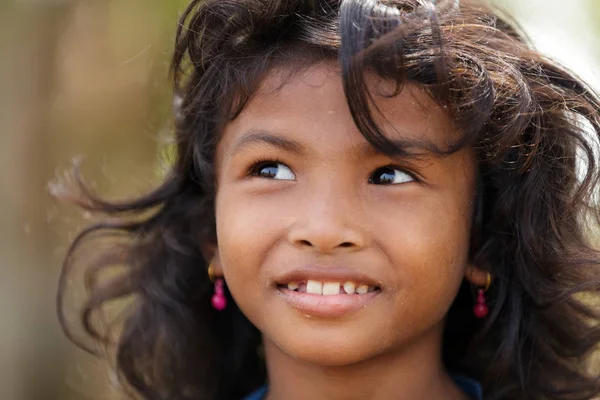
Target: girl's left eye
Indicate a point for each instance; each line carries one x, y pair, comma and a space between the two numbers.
390, 176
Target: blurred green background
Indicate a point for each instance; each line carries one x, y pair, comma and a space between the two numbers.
89, 78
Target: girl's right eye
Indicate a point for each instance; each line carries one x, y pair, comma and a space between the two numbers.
273, 170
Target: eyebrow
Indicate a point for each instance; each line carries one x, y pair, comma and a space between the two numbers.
405, 148
260, 136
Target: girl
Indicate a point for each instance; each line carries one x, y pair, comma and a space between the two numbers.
370, 200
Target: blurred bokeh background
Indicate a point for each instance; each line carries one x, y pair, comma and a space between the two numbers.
89, 78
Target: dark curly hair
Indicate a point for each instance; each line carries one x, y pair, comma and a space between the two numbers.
534, 127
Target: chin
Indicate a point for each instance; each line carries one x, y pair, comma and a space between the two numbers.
329, 350
328, 357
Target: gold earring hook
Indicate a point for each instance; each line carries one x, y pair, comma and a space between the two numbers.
211, 272
488, 281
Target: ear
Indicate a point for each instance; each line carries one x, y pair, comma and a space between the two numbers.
216, 263
210, 252
476, 275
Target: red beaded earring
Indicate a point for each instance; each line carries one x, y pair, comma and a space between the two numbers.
481, 309
218, 300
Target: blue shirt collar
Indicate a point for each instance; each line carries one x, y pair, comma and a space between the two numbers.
468, 385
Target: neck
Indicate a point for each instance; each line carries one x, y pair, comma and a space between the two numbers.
413, 372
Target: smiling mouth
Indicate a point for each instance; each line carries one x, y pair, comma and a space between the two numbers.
329, 288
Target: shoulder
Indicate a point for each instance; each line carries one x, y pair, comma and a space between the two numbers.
258, 394
469, 386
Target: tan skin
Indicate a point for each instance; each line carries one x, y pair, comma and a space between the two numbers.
322, 200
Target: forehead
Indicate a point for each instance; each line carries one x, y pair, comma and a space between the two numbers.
313, 100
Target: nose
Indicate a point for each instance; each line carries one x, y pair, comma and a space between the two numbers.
328, 222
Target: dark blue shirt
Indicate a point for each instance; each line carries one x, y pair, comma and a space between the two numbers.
469, 386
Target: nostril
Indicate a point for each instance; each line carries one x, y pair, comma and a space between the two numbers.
309, 244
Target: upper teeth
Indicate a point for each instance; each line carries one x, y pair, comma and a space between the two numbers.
349, 287
314, 287
332, 288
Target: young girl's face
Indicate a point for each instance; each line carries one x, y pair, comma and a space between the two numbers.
304, 201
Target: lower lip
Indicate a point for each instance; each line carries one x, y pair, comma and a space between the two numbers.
333, 306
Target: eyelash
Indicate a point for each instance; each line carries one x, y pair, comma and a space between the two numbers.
260, 162
399, 168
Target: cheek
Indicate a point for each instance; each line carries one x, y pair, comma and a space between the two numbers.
235, 243
430, 254
247, 226
236, 235
440, 241
247, 229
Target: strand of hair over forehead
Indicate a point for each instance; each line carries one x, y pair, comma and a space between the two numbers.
365, 20
366, 25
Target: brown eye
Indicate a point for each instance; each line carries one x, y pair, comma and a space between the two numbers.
390, 176
273, 170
